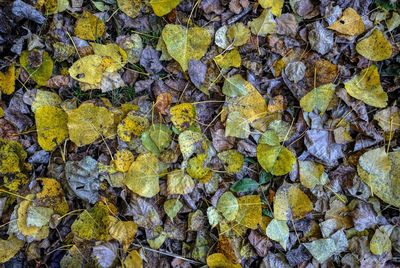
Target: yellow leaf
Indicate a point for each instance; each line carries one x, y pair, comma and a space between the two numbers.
7, 81
218, 260
133, 260
318, 98
114, 57
291, 203
238, 34
123, 160
380, 242
191, 142
228, 206
277, 159
88, 69
51, 126
132, 126
350, 23
45, 98
9, 247
275, 6
88, 122
250, 214
237, 126
124, 232
375, 47
185, 44
312, 174
197, 167
142, 176
179, 183
163, 7
12, 157
366, 87
229, 59
37, 233
263, 25
130, 7
38, 64
183, 115
232, 159
89, 27
52, 195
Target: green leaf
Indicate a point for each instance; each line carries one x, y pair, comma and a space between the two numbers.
321, 249
157, 138
263, 25
235, 86
318, 98
278, 231
244, 185
172, 207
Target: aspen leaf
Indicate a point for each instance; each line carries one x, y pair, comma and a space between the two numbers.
183, 115
124, 232
7, 80
163, 7
235, 86
375, 47
321, 249
12, 156
130, 7
185, 44
89, 27
197, 167
179, 183
218, 260
278, 231
133, 260
38, 64
238, 34
142, 177
123, 160
366, 87
291, 203
388, 119
277, 160
157, 138
350, 23
88, 69
45, 98
229, 59
191, 142
318, 98
23, 216
9, 247
232, 159
250, 214
275, 6
228, 206
263, 25
114, 57
244, 185
132, 126
312, 174
380, 171
237, 126
172, 207
88, 122
380, 242
51, 126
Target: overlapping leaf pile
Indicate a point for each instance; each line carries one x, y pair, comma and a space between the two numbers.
186, 133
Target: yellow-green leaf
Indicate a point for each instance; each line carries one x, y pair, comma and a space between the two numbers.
312, 174
263, 25
7, 80
163, 7
124, 232
38, 64
367, 87
275, 6
229, 59
185, 44
130, 7
375, 47
228, 206
318, 98
238, 34
250, 214
278, 231
183, 115
277, 160
179, 183
89, 27
9, 247
232, 159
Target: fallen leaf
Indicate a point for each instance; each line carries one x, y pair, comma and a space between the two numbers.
244, 185
275, 6
350, 23
375, 47
250, 211
88, 69
238, 34
218, 260
229, 59
232, 159
183, 115
7, 81
228, 206
312, 174
133, 260
89, 27
278, 231
132, 126
38, 64
179, 183
9, 247
172, 207
185, 44
277, 160
366, 87
142, 176
318, 98
380, 242
191, 142
123, 160
235, 86
157, 138
124, 232
263, 25
163, 7
291, 203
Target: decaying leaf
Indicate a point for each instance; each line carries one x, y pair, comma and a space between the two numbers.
275, 6
250, 211
7, 80
228, 206
318, 98
218, 260
38, 64
229, 59
278, 231
232, 159
124, 232
179, 183
183, 115
89, 27
9, 247
263, 25
277, 160
172, 207
350, 23
312, 174
291, 203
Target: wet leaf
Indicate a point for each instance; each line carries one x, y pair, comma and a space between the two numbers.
321, 249
157, 138
218, 260
88, 69
312, 174
380, 242
130, 7
366, 86
191, 142
229, 59
124, 232
238, 34
244, 185
250, 211
275, 6
375, 47
235, 86
123, 160
132, 126
133, 260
